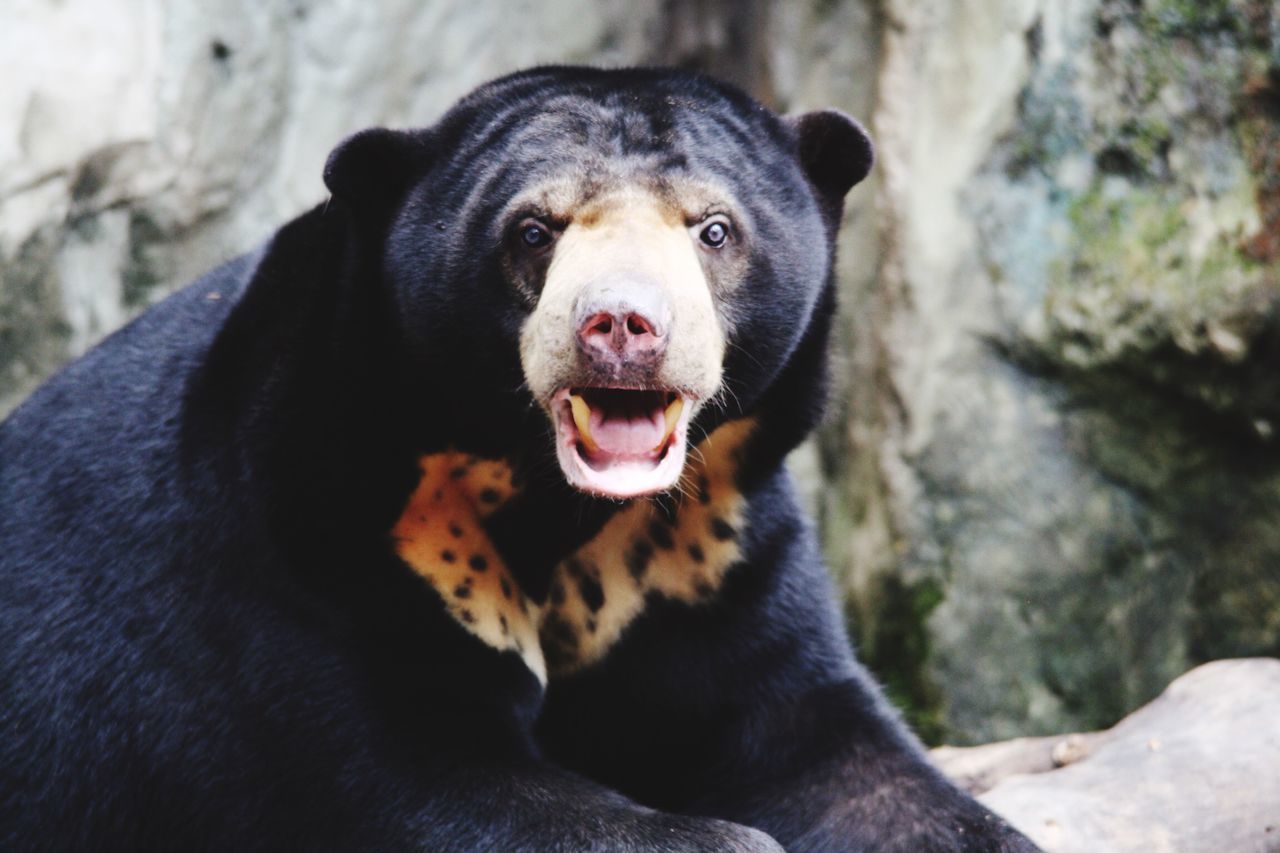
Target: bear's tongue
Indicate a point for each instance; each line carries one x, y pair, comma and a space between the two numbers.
617, 425
624, 433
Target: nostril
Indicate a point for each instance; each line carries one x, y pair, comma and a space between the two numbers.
599, 330
638, 325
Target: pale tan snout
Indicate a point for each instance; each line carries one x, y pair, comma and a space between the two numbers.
624, 346
625, 303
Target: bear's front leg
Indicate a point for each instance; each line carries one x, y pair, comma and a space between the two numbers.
834, 770
532, 806
452, 763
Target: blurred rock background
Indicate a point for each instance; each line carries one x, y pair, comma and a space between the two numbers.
1050, 482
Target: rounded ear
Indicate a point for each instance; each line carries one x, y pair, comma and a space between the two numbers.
834, 151
371, 170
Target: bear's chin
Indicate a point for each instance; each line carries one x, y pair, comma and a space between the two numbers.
610, 461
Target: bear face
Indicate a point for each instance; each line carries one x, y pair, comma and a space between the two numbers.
637, 256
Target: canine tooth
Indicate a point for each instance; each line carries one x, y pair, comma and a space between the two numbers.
582, 417
672, 416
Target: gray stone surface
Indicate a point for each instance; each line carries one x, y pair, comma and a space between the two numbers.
1192, 771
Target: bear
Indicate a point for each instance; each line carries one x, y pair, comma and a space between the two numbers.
454, 516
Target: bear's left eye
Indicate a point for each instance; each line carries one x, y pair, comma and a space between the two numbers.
714, 234
534, 235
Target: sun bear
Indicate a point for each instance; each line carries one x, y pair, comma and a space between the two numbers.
455, 516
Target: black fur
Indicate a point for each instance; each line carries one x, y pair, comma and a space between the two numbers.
206, 641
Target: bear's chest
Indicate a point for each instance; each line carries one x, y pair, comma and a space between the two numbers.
680, 551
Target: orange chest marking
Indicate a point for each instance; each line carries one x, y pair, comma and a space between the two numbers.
643, 551
439, 535
602, 588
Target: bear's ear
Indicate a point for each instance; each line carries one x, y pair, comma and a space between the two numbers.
371, 170
834, 151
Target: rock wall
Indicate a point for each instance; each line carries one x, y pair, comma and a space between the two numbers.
1048, 482
1077, 352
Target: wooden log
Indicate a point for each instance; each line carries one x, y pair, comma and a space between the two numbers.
1197, 769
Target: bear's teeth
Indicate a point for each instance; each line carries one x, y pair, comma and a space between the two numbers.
672, 416
582, 418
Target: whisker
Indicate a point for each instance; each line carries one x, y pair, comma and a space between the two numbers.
746, 352
697, 451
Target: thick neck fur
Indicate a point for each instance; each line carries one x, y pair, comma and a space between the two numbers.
295, 392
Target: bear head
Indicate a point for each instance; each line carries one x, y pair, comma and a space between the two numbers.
634, 255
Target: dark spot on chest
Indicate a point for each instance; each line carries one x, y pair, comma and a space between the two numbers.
478, 563
448, 556
489, 496
562, 632
455, 531
638, 557
722, 529
506, 588
559, 640
458, 473
696, 553
660, 533
588, 584
557, 593
462, 591
704, 490
591, 591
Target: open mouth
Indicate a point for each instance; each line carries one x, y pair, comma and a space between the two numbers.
621, 443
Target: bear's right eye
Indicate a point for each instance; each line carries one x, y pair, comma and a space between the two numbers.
534, 235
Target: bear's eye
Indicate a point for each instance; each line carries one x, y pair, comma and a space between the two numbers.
715, 234
534, 235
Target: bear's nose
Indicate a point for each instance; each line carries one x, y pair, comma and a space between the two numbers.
623, 329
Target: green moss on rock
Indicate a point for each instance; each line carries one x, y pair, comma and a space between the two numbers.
1155, 317
1171, 274
33, 332
894, 643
